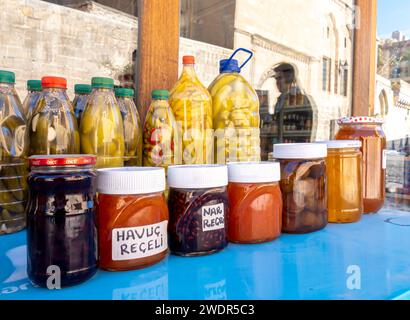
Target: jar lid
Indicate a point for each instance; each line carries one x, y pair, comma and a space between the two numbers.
197, 176
188, 60
228, 66
342, 144
353, 120
101, 82
253, 172
299, 151
124, 92
82, 88
34, 85
7, 76
62, 160
54, 82
131, 180
160, 94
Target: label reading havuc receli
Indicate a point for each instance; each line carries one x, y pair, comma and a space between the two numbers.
139, 242
213, 217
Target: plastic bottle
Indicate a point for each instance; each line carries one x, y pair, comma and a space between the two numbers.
82, 92
34, 91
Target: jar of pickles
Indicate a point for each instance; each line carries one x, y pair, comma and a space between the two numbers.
198, 208
304, 186
132, 127
161, 136
133, 217
344, 174
235, 114
102, 128
82, 92
255, 201
61, 224
191, 104
30, 102
13, 157
53, 126
369, 131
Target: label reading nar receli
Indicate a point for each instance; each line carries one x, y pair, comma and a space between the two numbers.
213, 217
139, 242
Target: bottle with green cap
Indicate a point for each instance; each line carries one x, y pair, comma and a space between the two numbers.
33, 94
82, 92
13, 157
101, 127
161, 136
132, 127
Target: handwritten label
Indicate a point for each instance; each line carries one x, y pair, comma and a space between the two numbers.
213, 217
139, 242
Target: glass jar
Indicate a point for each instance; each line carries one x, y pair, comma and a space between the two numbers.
304, 186
369, 131
255, 202
102, 128
13, 157
30, 102
235, 112
161, 138
132, 127
344, 176
132, 216
198, 208
191, 104
61, 229
53, 127
82, 92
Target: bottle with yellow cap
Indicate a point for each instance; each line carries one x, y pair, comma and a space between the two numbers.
191, 104
101, 128
235, 114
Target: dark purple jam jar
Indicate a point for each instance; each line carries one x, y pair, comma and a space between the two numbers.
61, 221
198, 209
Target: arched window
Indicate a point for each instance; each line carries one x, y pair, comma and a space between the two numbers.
383, 101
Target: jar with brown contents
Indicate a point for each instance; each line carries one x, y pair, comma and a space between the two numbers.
304, 186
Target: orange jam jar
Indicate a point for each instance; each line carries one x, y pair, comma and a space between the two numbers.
132, 218
369, 131
344, 177
255, 201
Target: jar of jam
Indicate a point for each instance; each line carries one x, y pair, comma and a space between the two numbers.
344, 176
132, 217
369, 131
255, 200
198, 207
61, 229
304, 186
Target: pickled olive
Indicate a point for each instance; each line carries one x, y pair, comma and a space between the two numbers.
191, 105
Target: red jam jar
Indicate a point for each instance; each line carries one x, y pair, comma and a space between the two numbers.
255, 201
132, 217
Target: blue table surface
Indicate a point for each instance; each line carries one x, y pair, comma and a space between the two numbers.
310, 266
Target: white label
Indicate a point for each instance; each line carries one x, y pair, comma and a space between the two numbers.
213, 217
139, 242
384, 160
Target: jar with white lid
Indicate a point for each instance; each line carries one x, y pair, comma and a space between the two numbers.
344, 174
255, 202
304, 186
132, 217
198, 207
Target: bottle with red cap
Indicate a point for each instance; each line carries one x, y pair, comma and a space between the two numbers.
53, 127
191, 104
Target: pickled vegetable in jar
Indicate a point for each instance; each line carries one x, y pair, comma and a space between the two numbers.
255, 200
191, 104
53, 128
61, 222
133, 217
30, 102
82, 92
132, 127
235, 115
369, 131
102, 128
161, 137
304, 186
13, 157
198, 209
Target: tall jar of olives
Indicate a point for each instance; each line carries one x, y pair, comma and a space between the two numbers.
304, 186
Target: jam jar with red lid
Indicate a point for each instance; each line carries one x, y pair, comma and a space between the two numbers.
198, 209
61, 224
